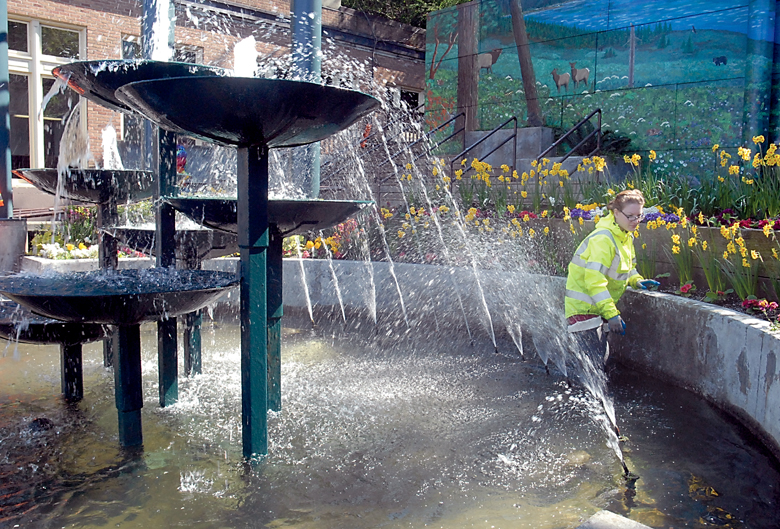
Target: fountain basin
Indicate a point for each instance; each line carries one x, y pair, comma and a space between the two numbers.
99, 80
121, 297
197, 244
96, 186
19, 324
247, 111
291, 216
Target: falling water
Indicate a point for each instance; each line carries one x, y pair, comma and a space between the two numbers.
365, 252
245, 57
334, 277
111, 157
305, 284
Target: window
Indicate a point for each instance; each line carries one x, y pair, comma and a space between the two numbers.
185, 53
17, 36
35, 48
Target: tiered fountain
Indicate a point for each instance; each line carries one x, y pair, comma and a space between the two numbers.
255, 115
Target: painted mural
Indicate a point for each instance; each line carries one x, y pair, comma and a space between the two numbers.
668, 74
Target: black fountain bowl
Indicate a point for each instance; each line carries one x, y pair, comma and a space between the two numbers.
122, 297
247, 111
99, 80
191, 244
96, 186
19, 324
289, 215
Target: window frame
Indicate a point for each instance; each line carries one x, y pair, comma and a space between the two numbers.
37, 67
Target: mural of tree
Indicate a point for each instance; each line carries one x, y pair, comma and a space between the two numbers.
526, 66
452, 37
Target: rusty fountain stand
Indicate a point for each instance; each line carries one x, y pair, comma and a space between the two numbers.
254, 115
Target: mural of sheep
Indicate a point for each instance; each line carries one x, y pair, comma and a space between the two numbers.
579, 75
560, 80
487, 60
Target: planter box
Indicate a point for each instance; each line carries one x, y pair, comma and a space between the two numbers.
659, 243
38, 265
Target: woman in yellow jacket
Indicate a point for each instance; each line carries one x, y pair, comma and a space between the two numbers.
602, 266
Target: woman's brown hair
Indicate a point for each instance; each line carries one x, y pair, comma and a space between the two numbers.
628, 196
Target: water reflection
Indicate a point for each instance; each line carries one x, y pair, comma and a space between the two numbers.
370, 436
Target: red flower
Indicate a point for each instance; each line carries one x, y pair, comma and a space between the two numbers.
685, 288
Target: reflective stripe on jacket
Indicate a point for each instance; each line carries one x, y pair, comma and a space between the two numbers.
602, 266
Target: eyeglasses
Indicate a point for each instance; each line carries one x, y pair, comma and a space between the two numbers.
633, 218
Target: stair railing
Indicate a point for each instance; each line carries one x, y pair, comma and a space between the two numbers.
559, 141
471, 147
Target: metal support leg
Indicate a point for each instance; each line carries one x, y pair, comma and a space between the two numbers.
71, 376
253, 244
167, 347
109, 260
275, 308
167, 362
192, 343
128, 388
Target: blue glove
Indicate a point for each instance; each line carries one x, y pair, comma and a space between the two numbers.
617, 325
647, 283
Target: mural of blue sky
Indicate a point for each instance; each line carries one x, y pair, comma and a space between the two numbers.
611, 14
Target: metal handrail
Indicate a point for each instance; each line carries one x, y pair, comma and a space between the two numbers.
469, 148
373, 135
425, 137
596, 131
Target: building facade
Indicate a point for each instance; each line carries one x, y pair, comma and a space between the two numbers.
46, 33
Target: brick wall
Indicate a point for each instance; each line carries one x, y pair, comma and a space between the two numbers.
106, 22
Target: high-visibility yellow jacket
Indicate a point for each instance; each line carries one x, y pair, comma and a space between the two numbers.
602, 266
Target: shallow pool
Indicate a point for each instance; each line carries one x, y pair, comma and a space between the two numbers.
370, 436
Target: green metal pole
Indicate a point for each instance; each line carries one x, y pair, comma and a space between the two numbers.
758, 69
307, 64
165, 240
193, 364
275, 308
128, 388
71, 376
253, 245
107, 215
6, 189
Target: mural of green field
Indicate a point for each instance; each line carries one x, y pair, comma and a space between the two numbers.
668, 74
